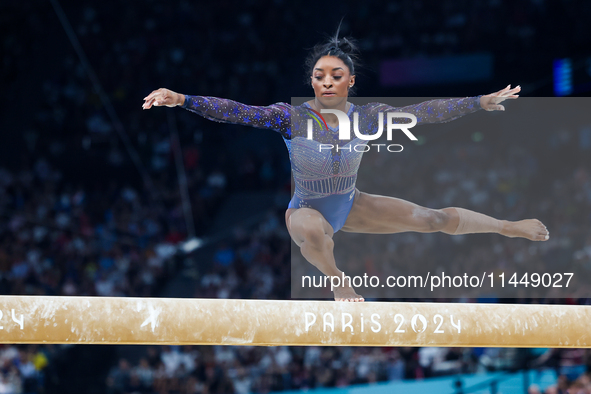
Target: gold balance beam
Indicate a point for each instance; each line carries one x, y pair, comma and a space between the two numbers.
159, 321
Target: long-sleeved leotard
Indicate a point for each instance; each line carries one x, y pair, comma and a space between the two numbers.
324, 177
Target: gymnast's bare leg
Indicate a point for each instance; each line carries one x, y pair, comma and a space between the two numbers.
313, 234
387, 215
376, 214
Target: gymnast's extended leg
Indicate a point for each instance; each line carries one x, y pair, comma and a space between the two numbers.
385, 215
313, 234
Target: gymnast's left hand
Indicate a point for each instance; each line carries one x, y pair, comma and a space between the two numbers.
163, 97
490, 102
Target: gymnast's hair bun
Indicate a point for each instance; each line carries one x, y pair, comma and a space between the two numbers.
345, 45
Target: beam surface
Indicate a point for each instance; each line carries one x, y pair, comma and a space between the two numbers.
110, 320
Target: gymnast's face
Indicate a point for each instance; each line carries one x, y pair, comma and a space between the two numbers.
331, 80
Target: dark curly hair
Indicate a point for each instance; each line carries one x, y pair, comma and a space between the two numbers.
344, 48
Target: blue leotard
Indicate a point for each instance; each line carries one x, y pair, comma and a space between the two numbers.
324, 178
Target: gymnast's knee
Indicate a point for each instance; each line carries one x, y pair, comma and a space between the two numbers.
309, 229
313, 232
436, 219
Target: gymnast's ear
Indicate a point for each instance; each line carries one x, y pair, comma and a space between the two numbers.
351, 81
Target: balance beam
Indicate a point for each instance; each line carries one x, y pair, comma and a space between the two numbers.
160, 321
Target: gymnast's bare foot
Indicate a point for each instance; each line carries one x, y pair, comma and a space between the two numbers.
531, 229
347, 294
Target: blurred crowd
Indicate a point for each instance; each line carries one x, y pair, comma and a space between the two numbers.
254, 53
80, 217
58, 239
23, 368
243, 370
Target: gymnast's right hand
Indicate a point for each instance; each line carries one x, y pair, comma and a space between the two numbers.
163, 97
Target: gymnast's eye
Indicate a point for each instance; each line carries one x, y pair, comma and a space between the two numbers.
318, 78
337, 77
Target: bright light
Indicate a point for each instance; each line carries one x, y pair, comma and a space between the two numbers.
191, 245
563, 77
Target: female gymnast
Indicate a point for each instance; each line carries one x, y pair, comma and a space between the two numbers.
325, 199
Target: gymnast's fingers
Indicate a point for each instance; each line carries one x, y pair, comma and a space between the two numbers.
156, 94
152, 94
511, 92
507, 90
148, 104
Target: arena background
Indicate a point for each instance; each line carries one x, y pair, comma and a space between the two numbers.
95, 199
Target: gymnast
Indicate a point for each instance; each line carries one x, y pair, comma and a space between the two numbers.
325, 199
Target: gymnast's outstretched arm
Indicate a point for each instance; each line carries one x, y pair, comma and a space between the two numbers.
446, 110
275, 117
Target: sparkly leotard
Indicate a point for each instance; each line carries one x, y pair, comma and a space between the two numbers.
324, 178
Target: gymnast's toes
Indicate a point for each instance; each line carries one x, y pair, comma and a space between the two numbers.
347, 295
360, 299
